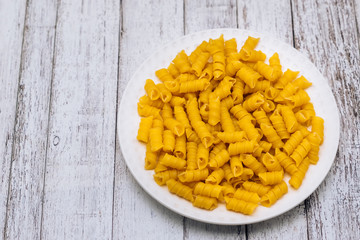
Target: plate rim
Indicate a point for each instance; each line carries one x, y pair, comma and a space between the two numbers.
222, 30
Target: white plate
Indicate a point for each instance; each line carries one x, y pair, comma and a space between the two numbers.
134, 152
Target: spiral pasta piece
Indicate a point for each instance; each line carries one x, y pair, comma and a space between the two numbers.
287, 77
180, 189
208, 190
194, 175
230, 47
294, 140
240, 206
156, 139
271, 163
279, 125
224, 88
167, 74
301, 151
247, 196
267, 71
236, 166
145, 110
145, 100
274, 194
298, 177
238, 92
249, 76
219, 160
200, 63
274, 62
257, 188
144, 128
259, 86
252, 163
261, 117
162, 177
169, 141
271, 178
318, 127
313, 154
215, 177
289, 90
289, 119
173, 162
242, 114
299, 99
286, 162
271, 135
191, 160
198, 50
152, 90
214, 109
302, 82
231, 137
173, 86
180, 147
241, 147
207, 73
165, 94
193, 86
205, 202
175, 126
271, 93
150, 158
182, 63
233, 67
253, 102
202, 157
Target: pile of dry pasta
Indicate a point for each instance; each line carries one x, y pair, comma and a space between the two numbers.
224, 126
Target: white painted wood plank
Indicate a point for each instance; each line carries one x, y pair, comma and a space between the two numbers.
273, 17
12, 16
80, 156
146, 26
326, 32
27, 174
201, 15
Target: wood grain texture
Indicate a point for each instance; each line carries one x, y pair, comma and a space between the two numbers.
12, 16
81, 148
146, 26
273, 17
202, 15
26, 183
325, 31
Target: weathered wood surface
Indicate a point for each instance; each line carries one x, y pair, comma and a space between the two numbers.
78, 191
326, 33
12, 15
30, 143
63, 68
136, 214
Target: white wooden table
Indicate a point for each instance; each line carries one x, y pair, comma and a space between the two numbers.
63, 67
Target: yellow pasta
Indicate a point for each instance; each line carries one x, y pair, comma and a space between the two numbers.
169, 141
173, 162
271, 178
257, 188
182, 63
214, 109
286, 162
180, 189
298, 176
219, 160
226, 125
236, 166
246, 196
274, 194
202, 156
180, 147
318, 127
208, 190
240, 206
150, 158
249, 76
271, 163
241, 147
191, 155
144, 128
193, 175
301, 151
162, 177
167, 74
254, 164
254, 101
215, 177
205, 202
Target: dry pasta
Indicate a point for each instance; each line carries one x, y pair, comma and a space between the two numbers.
223, 126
